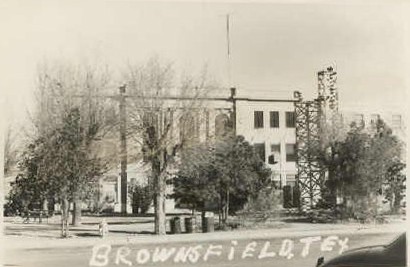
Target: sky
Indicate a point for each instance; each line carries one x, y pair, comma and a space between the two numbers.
276, 46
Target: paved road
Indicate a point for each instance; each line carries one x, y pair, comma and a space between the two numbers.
243, 252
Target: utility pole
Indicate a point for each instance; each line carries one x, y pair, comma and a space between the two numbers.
233, 115
123, 149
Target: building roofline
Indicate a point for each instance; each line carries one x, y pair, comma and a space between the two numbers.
226, 99
264, 100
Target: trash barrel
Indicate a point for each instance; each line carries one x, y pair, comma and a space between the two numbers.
176, 225
203, 221
208, 223
189, 224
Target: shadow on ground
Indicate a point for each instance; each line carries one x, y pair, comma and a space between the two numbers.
87, 234
121, 223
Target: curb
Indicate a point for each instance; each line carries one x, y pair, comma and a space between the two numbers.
33, 243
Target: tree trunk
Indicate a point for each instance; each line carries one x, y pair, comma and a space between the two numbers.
77, 211
159, 198
160, 215
221, 208
391, 205
64, 217
45, 205
227, 207
62, 220
396, 201
220, 211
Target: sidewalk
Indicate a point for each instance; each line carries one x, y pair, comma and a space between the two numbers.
290, 230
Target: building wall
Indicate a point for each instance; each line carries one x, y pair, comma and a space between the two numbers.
284, 171
282, 138
206, 125
137, 173
395, 118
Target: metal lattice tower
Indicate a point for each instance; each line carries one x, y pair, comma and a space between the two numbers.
310, 173
327, 91
311, 117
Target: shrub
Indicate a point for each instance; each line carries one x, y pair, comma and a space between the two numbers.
141, 197
266, 201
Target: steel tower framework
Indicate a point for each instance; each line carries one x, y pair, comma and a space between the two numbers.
310, 172
311, 118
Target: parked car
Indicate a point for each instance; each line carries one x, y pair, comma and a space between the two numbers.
392, 254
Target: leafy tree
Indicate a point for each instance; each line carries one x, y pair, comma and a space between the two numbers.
76, 169
330, 155
68, 98
361, 164
194, 184
241, 173
30, 186
59, 165
229, 170
395, 185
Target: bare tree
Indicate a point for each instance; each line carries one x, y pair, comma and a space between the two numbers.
10, 150
64, 88
159, 107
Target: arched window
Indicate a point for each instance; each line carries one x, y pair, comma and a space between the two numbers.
187, 128
221, 125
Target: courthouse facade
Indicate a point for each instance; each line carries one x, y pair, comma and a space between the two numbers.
266, 121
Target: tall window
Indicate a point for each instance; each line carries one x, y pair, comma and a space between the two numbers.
374, 118
358, 119
258, 119
221, 125
275, 148
275, 154
260, 150
290, 119
274, 119
188, 129
396, 121
290, 152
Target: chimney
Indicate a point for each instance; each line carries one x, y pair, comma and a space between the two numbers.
233, 92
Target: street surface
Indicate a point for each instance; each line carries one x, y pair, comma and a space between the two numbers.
245, 251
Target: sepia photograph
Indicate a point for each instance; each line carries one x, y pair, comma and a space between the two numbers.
204, 133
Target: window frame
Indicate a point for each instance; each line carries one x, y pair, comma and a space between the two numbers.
258, 121
275, 145
290, 119
396, 121
358, 118
374, 117
274, 119
291, 157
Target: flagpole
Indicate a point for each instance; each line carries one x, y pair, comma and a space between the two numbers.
228, 44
